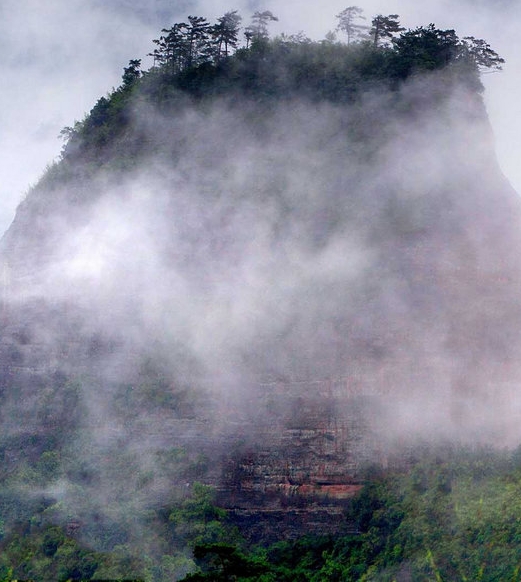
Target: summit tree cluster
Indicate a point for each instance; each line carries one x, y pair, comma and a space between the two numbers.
202, 60
197, 41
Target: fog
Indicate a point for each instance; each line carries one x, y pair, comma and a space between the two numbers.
300, 242
374, 245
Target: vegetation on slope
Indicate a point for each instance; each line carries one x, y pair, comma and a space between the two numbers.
451, 515
443, 515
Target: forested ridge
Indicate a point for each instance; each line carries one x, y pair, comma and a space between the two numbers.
79, 382
203, 61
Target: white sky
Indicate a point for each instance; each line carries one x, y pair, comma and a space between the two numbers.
59, 56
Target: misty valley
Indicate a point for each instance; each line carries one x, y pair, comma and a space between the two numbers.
261, 319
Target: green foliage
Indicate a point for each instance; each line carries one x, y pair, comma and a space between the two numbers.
424, 48
452, 515
220, 561
197, 520
49, 466
257, 32
429, 48
226, 34
46, 554
154, 389
131, 73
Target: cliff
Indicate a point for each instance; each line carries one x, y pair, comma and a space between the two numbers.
278, 289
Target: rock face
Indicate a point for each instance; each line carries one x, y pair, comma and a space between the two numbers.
309, 439
291, 293
304, 459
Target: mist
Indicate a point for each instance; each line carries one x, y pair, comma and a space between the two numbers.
371, 247
304, 241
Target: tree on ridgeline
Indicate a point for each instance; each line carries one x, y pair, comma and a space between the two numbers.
298, 38
131, 73
226, 33
188, 44
481, 53
347, 22
248, 35
171, 47
198, 48
384, 28
424, 48
429, 48
257, 31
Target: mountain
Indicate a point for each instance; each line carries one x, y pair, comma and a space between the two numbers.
259, 274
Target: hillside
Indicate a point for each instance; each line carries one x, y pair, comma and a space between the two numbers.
250, 277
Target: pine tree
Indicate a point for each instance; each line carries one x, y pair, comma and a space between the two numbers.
347, 23
384, 28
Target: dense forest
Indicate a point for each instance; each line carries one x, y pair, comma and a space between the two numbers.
113, 448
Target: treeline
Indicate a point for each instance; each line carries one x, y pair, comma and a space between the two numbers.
187, 44
192, 43
204, 60
201, 61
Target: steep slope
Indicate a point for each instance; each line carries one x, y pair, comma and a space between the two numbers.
293, 239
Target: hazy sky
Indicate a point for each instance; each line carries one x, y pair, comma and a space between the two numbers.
60, 56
